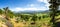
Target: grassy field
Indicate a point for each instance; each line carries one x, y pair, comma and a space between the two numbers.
39, 22
28, 20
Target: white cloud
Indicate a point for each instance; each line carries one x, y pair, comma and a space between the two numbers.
32, 9
46, 3
31, 5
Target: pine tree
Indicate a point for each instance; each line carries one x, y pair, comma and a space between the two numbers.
53, 9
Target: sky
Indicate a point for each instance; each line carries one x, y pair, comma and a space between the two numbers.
24, 5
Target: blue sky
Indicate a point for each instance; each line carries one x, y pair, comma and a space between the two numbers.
22, 5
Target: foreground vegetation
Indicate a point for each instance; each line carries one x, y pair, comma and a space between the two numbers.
12, 19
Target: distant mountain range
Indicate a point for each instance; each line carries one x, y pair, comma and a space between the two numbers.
32, 12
